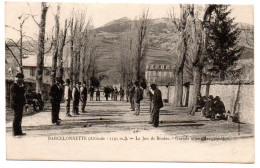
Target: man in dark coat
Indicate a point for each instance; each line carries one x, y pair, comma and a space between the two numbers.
91, 90
67, 96
207, 109
83, 96
199, 105
55, 97
138, 97
106, 92
150, 95
76, 98
98, 95
122, 94
17, 103
218, 107
157, 104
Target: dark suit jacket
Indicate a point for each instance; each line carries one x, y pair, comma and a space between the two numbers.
56, 93
76, 94
157, 99
84, 93
17, 96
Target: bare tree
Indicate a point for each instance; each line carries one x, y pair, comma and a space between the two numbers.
19, 44
125, 64
180, 26
199, 31
78, 31
55, 45
63, 36
41, 42
141, 27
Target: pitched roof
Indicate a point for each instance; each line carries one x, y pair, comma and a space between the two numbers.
160, 62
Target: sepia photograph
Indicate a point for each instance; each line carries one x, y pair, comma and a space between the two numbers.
165, 82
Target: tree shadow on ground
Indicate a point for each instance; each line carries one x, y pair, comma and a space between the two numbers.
181, 125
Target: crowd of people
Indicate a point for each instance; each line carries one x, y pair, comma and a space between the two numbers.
113, 93
209, 107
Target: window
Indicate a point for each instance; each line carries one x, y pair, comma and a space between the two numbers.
154, 66
32, 71
164, 66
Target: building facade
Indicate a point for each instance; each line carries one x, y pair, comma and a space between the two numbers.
159, 72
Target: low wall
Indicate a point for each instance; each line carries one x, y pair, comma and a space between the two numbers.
228, 94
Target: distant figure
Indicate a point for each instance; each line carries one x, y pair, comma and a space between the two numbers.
76, 98
131, 97
17, 103
56, 96
115, 94
127, 94
207, 109
122, 94
150, 95
218, 108
91, 90
67, 96
138, 97
199, 105
83, 96
98, 95
106, 92
112, 91
157, 104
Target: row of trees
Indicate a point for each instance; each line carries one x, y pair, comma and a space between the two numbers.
209, 45
133, 46
77, 35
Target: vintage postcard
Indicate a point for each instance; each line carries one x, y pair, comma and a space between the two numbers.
129, 82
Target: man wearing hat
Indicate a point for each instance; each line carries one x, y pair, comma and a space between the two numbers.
56, 96
157, 104
17, 103
218, 107
67, 96
83, 96
138, 97
76, 98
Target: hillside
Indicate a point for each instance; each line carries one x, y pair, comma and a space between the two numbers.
162, 43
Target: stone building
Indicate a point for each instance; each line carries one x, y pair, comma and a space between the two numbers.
159, 72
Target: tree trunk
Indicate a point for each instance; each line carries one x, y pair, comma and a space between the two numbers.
60, 70
178, 89
40, 54
83, 67
75, 75
237, 99
197, 73
207, 89
71, 63
21, 48
186, 103
55, 46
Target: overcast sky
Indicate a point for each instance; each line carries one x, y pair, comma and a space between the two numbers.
99, 12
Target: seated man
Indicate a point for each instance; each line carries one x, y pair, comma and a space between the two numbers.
207, 109
218, 107
200, 104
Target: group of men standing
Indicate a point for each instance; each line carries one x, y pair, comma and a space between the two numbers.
155, 97
109, 91
77, 94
